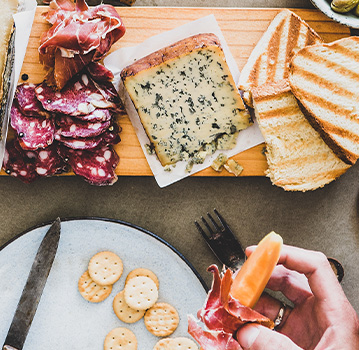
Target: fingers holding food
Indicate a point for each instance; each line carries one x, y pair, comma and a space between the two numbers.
292, 284
274, 309
256, 337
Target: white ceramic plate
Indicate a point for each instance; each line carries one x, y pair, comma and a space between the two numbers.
64, 320
348, 19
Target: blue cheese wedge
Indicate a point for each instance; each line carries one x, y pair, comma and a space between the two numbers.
186, 99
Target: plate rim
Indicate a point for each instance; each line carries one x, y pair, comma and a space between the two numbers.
115, 221
337, 17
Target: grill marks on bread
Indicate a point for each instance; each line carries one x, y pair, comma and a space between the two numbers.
325, 79
298, 158
269, 61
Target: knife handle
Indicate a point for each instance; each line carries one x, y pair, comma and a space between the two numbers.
8, 347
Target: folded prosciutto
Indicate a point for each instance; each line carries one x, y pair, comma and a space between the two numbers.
78, 36
222, 316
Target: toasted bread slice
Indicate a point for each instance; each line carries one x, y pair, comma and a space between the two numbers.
298, 158
325, 79
269, 60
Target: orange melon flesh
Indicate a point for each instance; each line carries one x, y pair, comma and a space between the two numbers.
250, 281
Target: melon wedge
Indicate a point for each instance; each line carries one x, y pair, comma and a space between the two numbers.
250, 281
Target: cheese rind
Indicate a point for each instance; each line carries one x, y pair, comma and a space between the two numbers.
186, 98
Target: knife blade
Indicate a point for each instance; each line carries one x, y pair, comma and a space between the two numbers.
33, 289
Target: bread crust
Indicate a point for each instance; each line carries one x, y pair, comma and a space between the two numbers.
266, 53
326, 129
298, 158
267, 91
170, 52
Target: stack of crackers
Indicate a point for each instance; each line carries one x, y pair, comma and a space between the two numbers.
137, 300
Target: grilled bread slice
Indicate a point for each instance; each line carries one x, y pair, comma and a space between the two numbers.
325, 79
298, 158
269, 60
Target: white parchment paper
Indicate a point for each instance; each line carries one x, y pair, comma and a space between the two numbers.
123, 57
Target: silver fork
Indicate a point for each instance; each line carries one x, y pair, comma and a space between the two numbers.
222, 241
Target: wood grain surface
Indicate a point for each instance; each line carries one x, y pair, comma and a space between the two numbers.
242, 28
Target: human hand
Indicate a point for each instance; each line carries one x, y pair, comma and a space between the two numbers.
322, 317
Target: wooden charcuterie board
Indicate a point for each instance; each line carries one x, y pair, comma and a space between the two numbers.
242, 28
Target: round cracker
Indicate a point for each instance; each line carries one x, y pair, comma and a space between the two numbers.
143, 272
182, 343
163, 344
120, 339
141, 293
161, 319
124, 312
105, 268
91, 290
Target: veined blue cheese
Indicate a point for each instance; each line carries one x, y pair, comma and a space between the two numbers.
187, 102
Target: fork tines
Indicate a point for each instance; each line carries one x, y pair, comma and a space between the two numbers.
221, 240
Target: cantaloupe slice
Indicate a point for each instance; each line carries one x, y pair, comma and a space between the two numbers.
250, 281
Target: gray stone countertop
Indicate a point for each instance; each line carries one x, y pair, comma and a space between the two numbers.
326, 219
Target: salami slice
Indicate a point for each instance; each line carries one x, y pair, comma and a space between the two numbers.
109, 137
109, 92
47, 161
33, 132
97, 167
75, 128
17, 164
98, 115
27, 101
79, 97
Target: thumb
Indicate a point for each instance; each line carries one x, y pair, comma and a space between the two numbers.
256, 337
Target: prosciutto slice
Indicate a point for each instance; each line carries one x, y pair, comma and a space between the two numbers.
222, 316
78, 35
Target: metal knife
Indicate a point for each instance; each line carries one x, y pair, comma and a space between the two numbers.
33, 289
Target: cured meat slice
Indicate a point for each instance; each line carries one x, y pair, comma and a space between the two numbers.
109, 137
78, 31
17, 164
47, 161
223, 315
27, 102
31, 165
222, 312
98, 115
110, 94
212, 340
73, 127
79, 97
96, 166
33, 132
99, 72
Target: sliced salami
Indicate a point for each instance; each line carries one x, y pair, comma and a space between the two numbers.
75, 128
109, 137
33, 132
98, 115
17, 164
79, 97
47, 161
109, 92
97, 166
27, 101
